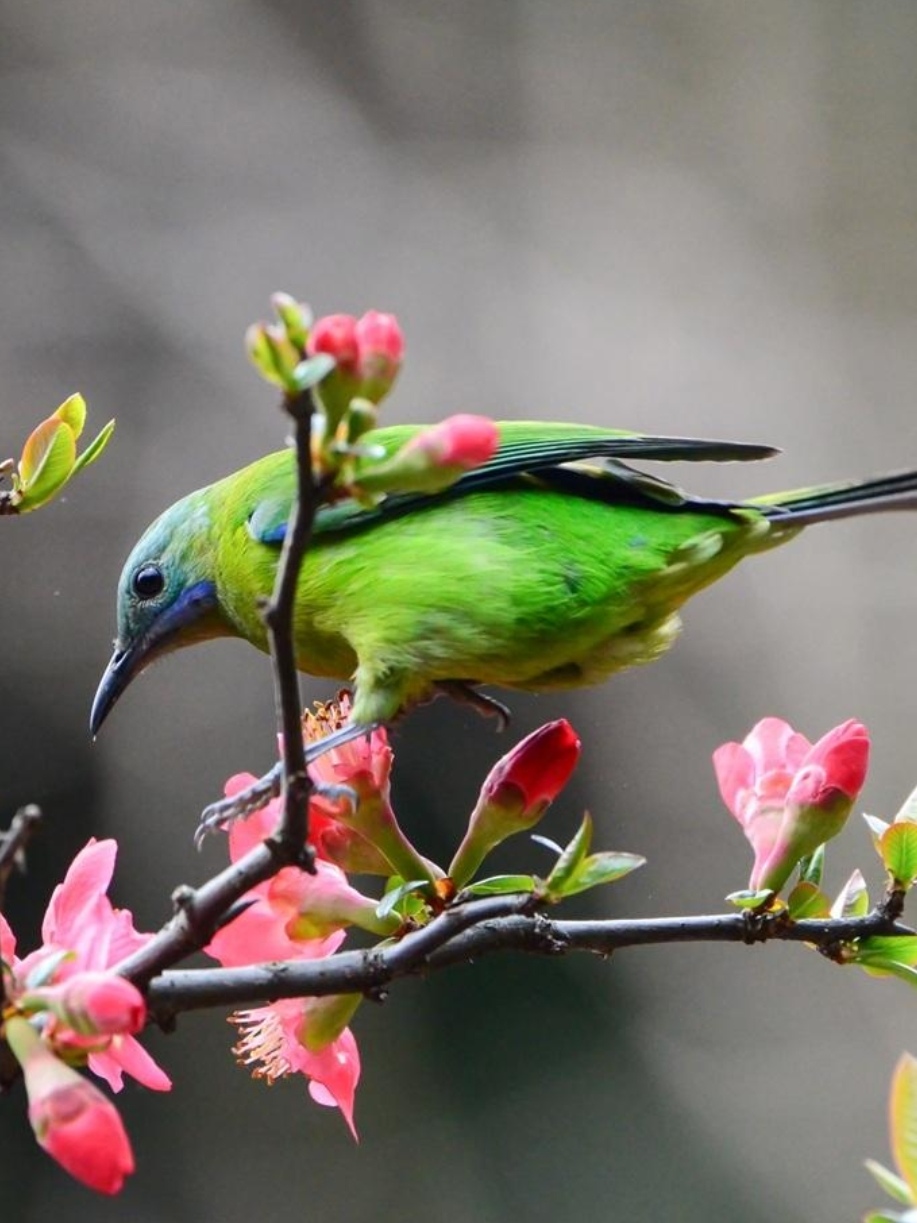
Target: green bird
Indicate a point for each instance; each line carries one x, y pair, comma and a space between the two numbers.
551, 566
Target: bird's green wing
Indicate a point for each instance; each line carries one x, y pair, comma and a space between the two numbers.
536, 450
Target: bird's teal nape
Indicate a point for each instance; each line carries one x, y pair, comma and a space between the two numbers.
552, 565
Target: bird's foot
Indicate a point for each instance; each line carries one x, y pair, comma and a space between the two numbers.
466, 694
224, 813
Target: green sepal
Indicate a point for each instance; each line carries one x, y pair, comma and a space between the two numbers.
902, 1107
391, 902
95, 448
898, 850
812, 869
807, 900
500, 885
46, 463
746, 899
892, 1184
326, 1018
312, 371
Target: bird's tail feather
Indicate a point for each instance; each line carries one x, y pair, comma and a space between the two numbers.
804, 506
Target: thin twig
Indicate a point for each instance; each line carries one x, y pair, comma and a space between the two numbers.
278, 619
479, 928
13, 844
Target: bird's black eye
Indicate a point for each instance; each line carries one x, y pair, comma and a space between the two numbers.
148, 581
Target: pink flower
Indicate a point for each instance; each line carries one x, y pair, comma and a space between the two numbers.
71, 1118
367, 837
81, 920
273, 1035
789, 795
516, 793
272, 1043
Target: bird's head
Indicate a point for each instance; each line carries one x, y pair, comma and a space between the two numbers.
167, 598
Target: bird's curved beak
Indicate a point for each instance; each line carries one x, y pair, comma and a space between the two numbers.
194, 616
122, 667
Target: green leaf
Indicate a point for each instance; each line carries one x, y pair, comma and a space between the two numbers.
853, 898
902, 1106
908, 810
749, 900
570, 859
812, 868
898, 850
73, 413
310, 372
807, 900
46, 463
902, 949
499, 885
893, 1185
95, 448
879, 1216
876, 826
597, 869
393, 898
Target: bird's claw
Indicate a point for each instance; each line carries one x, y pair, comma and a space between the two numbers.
466, 694
224, 813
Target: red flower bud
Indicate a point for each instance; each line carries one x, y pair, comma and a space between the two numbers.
516, 793
95, 1003
336, 334
72, 1120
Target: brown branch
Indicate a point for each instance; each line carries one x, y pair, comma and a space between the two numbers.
13, 844
481, 927
278, 618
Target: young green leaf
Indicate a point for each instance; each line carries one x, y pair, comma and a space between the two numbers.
812, 868
46, 463
893, 1185
95, 448
807, 900
898, 850
393, 898
570, 859
853, 898
876, 827
902, 1107
908, 810
595, 869
310, 372
746, 899
499, 885
73, 413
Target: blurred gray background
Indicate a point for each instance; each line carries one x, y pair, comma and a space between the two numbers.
676, 217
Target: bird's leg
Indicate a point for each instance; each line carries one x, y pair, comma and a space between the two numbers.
466, 694
226, 811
